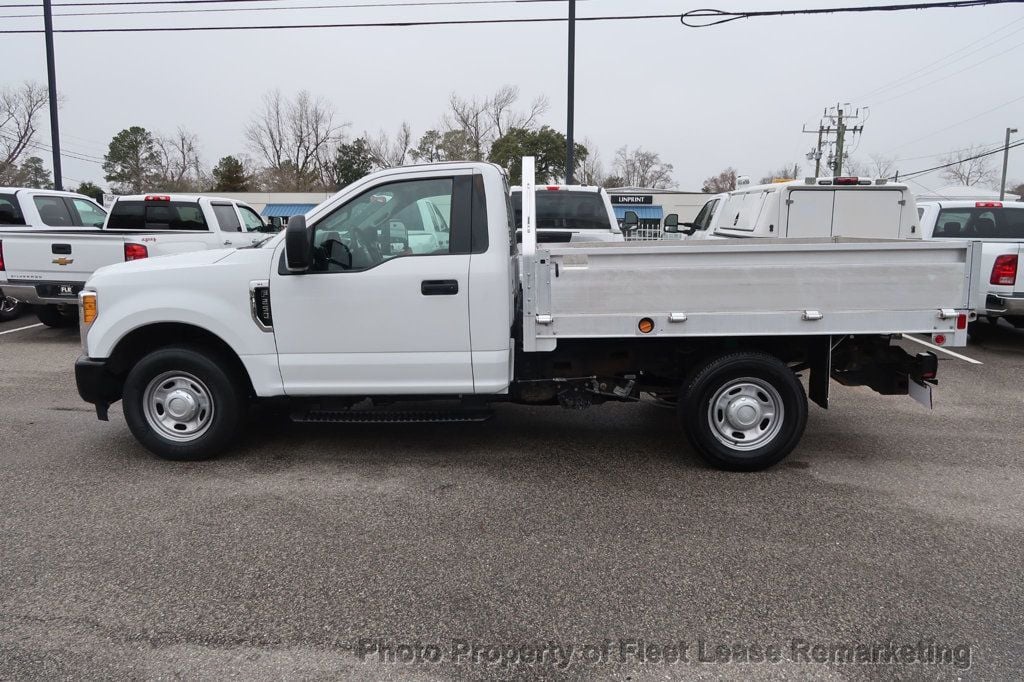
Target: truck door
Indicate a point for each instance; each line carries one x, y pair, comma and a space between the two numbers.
231, 232
373, 316
810, 213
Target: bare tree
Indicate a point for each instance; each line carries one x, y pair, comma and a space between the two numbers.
295, 137
970, 168
882, 166
390, 152
590, 170
723, 182
19, 112
641, 168
180, 165
483, 120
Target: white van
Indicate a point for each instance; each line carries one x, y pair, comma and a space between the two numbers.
819, 207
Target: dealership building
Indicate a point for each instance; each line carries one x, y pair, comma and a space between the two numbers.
652, 205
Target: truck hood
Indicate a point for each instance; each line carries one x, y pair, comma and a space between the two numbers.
171, 262
179, 270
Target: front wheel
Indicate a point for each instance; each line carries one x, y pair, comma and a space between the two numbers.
743, 411
182, 404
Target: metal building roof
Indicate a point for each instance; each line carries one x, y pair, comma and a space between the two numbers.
285, 210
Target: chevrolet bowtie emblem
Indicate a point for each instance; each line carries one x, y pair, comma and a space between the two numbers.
63, 261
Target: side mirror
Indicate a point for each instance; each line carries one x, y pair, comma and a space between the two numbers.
690, 228
672, 222
630, 221
298, 245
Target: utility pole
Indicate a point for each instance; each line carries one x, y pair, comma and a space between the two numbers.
570, 145
51, 77
840, 135
1006, 159
836, 121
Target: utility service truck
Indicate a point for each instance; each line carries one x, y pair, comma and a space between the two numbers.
814, 207
46, 263
344, 324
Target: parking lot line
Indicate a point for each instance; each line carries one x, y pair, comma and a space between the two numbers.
21, 329
943, 350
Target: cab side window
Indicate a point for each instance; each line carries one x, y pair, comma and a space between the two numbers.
252, 222
227, 218
53, 211
90, 214
386, 222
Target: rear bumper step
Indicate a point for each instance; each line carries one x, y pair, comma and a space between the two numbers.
391, 416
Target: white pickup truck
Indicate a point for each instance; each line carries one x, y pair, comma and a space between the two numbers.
349, 326
572, 213
45, 263
24, 206
814, 207
999, 227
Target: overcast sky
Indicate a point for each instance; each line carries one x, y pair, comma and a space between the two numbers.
734, 95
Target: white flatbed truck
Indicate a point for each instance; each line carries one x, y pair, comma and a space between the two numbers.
345, 325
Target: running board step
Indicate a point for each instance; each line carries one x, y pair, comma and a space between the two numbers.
391, 416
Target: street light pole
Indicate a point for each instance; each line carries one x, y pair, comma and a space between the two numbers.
1006, 159
570, 144
51, 77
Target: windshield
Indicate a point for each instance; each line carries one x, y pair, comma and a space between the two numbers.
565, 210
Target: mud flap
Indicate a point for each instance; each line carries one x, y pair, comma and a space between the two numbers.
820, 360
921, 392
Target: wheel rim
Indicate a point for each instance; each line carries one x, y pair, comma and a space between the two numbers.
8, 304
178, 406
746, 414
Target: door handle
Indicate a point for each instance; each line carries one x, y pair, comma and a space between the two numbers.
439, 287
227, 242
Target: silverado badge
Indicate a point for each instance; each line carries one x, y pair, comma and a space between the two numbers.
63, 261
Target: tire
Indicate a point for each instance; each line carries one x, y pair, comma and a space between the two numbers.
10, 308
744, 411
56, 316
182, 403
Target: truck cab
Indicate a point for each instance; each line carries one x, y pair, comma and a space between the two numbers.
702, 225
22, 207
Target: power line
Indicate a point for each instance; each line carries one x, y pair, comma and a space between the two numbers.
375, 24
926, 69
950, 75
406, 3
914, 174
966, 120
78, 156
717, 17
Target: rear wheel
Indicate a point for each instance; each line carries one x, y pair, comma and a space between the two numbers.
10, 308
57, 316
743, 411
182, 404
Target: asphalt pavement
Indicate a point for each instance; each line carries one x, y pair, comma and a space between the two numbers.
541, 544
